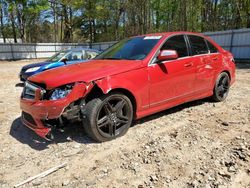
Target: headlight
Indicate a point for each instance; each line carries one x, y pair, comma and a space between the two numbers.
32, 69
60, 93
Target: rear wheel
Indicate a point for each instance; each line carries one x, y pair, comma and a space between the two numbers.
221, 88
108, 117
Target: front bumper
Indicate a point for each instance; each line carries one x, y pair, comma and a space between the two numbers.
36, 111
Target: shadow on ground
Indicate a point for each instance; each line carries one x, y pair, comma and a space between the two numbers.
173, 110
76, 132
243, 65
25, 135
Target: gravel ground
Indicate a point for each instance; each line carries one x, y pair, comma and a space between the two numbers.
199, 144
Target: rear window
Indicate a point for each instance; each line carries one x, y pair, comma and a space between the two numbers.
211, 47
198, 45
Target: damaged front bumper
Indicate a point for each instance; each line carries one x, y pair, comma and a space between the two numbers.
36, 112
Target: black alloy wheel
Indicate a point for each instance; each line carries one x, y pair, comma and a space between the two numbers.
108, 117
221, 88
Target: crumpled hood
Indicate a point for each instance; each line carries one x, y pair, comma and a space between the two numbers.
35, 65
86, 72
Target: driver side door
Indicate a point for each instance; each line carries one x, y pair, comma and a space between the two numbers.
173, 80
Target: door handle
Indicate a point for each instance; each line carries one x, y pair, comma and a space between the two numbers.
215, 58
188, 64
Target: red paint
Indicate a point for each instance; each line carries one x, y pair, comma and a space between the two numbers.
86, 72
43, 110
155, 87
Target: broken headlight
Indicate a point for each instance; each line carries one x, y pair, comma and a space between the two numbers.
60, 93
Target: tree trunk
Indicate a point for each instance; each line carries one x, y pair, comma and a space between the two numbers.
21, 23
70, 24
247, 10
145, 21
248, 20
90, 33
94, 30
1, 24
238, 19
55, 20
157, 14
203, 15
119, 12
90, 24
67, 34
124, 25
184, 18
13, 26
215, 15
61, 29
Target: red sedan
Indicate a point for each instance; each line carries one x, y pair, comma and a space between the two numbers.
134, 78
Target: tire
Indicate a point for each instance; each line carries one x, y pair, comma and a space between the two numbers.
221, 88
108, 117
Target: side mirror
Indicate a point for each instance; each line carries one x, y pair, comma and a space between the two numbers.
167, 55
64, 60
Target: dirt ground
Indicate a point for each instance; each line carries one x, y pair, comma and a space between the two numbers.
199, 144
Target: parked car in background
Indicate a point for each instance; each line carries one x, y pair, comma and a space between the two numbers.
134, 78
61, 58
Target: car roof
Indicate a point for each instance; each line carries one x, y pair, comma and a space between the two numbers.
172, 33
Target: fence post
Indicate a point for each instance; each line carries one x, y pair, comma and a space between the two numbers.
231, 42
35, 51
12, 53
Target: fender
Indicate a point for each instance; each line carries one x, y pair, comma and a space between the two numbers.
110, 83
227, 66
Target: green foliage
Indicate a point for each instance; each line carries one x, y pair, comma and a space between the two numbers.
107, 20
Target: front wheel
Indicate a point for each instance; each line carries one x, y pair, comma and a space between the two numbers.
108, 117
221, 88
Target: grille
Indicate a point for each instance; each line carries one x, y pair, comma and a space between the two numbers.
27, 117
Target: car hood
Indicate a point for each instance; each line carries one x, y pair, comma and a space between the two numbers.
86, 72
36, 65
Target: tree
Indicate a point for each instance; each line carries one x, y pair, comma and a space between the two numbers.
108, 20
2, 5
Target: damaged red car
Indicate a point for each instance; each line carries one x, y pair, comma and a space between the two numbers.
134, 78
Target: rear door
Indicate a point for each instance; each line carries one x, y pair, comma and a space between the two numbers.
174, 79
215, 55
205, 65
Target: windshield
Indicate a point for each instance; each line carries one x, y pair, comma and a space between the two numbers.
57, 56
136, 48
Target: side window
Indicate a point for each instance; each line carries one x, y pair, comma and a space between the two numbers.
198, 45
91, 54
211, 47
84, 55
74, 55
177, 43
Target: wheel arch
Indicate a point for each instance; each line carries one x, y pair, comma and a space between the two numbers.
97, 91
129, 94
219, 73
228, 72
